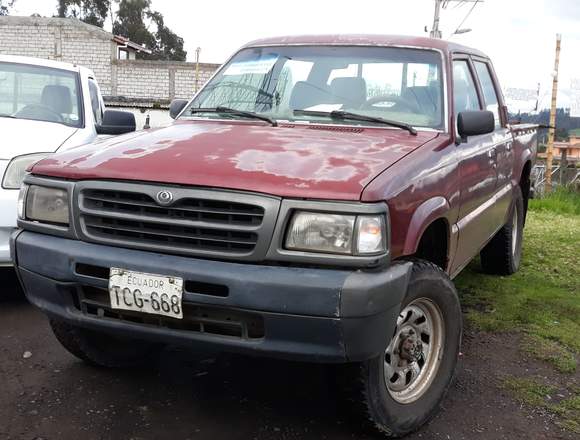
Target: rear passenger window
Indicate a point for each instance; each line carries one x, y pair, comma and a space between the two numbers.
489, 94
465, 93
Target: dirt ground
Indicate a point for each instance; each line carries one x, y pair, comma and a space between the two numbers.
200, 395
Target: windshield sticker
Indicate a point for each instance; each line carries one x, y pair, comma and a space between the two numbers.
259, 67
324, 107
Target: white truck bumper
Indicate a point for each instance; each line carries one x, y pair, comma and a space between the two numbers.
8, 212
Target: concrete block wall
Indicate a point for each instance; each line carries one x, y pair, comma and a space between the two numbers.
159, 80
185, 83
141, 80
145, 83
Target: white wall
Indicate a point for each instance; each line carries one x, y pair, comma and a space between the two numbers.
158, 117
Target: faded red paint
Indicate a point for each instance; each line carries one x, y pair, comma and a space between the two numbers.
287, 161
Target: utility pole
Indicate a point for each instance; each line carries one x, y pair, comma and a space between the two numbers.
197, 52
435, 32
552, 132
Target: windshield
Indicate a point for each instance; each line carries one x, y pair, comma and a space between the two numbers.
39, 93
397, 84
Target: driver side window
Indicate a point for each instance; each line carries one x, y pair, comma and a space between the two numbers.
464, 92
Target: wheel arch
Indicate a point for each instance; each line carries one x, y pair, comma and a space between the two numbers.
428, 225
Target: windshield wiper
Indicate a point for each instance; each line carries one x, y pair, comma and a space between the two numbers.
5, 115
342, 115
233, 111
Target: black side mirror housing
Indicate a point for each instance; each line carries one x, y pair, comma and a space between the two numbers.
117, 122
475, 123
176, 106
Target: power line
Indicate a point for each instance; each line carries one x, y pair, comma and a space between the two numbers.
442, 4
467, 16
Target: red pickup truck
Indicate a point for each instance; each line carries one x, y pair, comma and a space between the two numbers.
312, 202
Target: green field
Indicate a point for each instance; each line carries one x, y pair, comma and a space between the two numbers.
541, 301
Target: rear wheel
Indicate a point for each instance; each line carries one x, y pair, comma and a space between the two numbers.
400, 390
503, 254
101, 349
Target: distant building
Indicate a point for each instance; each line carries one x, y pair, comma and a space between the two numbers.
124, 80
572, 147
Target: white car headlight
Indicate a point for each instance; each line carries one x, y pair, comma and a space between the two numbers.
16, 170
336, 233
46, 205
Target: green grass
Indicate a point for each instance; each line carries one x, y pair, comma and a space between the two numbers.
561, 201
543, 298
541, 301
550, 351
532, 392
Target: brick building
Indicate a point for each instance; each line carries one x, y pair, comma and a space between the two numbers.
124, 80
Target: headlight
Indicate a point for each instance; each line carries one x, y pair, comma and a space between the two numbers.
335, 233
16, 170
47, 205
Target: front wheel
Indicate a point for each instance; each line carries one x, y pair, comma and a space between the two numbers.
400, 390
101, 349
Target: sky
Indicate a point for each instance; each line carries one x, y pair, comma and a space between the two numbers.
518, 35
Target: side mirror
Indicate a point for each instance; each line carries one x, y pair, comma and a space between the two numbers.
176, 106
116, 122
474, 123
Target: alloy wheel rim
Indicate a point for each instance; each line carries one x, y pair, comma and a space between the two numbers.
413, 356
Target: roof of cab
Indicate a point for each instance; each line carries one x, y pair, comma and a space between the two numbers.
43, 63
367, 40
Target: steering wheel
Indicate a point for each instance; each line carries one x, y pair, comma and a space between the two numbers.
39, 112
398, 100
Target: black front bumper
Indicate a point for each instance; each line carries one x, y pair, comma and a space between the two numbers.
322, 315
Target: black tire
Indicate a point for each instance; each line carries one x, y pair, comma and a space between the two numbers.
500, 256
103, 350
365, 382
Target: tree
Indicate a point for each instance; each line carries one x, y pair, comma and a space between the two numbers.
134, 20
130, 22
5, 6
93, 12
168, 45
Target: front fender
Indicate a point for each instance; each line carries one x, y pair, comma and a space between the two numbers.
429, 211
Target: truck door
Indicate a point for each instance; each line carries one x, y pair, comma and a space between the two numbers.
503, 138
477, 169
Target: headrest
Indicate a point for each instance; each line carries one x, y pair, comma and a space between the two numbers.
305, 94
57, 98
350, 91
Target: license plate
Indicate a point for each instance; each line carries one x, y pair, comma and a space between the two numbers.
146, 293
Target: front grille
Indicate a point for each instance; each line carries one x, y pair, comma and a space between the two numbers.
176, 236
198, 222
95, 302
212, 211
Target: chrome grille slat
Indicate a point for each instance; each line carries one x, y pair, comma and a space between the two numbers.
196, 222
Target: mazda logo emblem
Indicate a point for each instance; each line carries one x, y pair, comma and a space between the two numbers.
164, 197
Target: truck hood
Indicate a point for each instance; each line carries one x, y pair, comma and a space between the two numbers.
326, 162
23, 136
